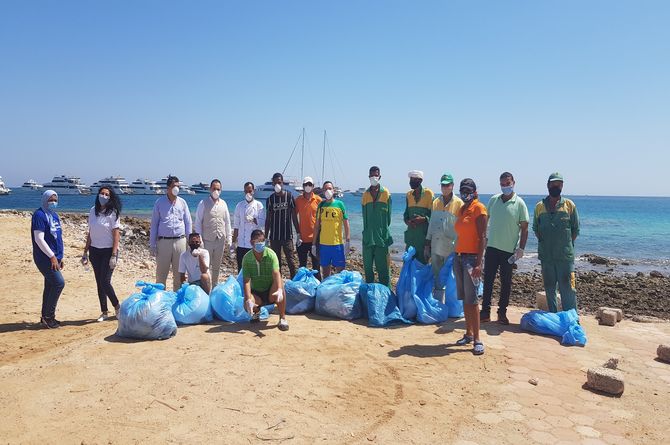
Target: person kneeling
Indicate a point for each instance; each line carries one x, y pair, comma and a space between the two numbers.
263, 284
195, 263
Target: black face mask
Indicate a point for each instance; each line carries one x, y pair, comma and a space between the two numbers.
555, 191
194, 246
414, 184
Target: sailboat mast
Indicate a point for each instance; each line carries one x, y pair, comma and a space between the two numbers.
323, 158
302, 158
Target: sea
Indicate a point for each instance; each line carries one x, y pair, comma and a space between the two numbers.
634, 232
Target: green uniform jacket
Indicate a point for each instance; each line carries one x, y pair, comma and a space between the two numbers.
377, 218
416, 236
555, 230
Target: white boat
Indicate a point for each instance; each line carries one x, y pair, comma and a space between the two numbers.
32, 185
264, 191
145, 187
3, 188
359, 192
200, 187
116, 183
183, 188
68, 185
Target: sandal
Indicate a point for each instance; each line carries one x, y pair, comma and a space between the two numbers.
464, 341
283, 325
478, 349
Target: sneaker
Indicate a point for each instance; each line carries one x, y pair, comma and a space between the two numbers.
283, 325
465, 340
483, 317
117, 309
104, 316
502, 319
49, 323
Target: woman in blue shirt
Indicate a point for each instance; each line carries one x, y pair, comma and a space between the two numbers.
47, 237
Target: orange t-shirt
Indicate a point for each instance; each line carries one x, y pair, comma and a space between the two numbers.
467, 238
307, 216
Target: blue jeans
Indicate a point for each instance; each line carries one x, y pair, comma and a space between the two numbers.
53, 286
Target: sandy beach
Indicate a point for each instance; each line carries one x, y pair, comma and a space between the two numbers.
324, 381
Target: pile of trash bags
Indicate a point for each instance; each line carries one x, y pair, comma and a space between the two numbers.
564, 324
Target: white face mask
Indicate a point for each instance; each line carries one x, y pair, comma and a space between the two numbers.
249, 197
328, 194
215, 194
277, 188
374, 181
308, 189
175, 190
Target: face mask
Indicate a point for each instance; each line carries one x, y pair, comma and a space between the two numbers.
308, 189
259, 247
414, 184
103, 199
328, 194
51, 205
215, 194
555, 192
507, 190
194, 246
277, 188
467, 197
249, 197
374, 181
175, 190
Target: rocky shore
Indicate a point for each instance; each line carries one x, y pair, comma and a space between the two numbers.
636, 294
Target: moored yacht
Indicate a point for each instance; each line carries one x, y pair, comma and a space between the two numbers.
3, 188
32, 185
183, 188
68, 185
116, 183
200, 187
145, 187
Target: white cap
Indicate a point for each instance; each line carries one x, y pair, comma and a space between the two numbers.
415, 174
308, 179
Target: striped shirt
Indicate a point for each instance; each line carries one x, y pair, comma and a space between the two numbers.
279, 208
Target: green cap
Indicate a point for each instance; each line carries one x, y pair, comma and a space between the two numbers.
447, 179
555, 177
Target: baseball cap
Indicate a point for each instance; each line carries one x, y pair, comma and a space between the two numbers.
447, 179
555, 177
308, 179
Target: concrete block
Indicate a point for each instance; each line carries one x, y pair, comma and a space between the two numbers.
606, 380
541, 301
619, 312
608, 318
663, 353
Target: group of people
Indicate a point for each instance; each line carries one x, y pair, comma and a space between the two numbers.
486, 241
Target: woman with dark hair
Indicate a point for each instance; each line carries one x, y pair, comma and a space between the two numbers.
102, 243
47, 237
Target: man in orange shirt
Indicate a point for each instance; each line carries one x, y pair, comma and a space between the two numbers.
305, 209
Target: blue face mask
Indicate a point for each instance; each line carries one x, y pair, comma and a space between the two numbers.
259, 247
467, 197
51, 205
507, 190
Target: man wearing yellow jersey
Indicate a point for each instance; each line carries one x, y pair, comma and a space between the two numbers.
331, 221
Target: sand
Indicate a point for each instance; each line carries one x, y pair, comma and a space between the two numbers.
324, 381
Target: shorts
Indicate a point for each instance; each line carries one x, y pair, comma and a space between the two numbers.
332, 255
263, 295
465, 288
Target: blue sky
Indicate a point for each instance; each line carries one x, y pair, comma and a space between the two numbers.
223, 89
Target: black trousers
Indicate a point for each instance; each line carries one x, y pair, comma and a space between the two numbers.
288, 248
304, 251
103, 276
239, 254
495, 260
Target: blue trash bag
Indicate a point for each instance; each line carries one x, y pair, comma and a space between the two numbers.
301, 291
448, 280
405, 288
564, 324
192, 305
147, 315
338, 296
381, 304
428, 309
227, 302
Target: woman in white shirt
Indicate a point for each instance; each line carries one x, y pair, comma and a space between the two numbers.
102, 243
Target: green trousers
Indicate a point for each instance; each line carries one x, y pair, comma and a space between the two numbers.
561, 273
375, 256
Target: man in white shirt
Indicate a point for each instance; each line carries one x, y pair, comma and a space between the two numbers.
249, 215
212, 221
194, 264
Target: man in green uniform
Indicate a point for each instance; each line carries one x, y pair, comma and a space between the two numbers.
418, 208
556, 226
377, 206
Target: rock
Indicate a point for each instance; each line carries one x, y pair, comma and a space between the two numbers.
656, 274
612, 363
595, 259
663, 352
619, 312
608, 317
533, 381
646, 319
639, 274
606, 380
541, 301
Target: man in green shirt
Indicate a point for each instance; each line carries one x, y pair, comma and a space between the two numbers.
556, 226
376, 202
263, 284
418, 208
